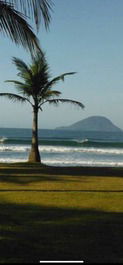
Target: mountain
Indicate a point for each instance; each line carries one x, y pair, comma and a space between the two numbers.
93, 123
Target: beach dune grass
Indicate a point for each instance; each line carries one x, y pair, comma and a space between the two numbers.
49, 213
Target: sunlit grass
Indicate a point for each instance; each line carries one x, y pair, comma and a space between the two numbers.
108, 202
57, 214
38, 177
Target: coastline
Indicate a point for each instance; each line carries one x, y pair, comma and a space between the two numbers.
78, 149
66, 170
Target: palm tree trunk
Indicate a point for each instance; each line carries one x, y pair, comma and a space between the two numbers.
34, 155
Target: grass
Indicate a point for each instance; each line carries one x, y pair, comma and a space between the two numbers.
50, 213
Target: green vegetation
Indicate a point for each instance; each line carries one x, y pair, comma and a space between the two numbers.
36, 89
49, 213
14, 16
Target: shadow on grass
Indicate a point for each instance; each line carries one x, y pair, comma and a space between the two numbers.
24, 173
31, 233
38, 168
26, 179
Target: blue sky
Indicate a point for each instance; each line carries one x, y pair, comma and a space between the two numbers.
85, 36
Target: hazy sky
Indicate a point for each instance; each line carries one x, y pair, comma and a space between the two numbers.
85, 36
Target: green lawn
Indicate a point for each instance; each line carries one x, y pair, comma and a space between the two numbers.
51, 213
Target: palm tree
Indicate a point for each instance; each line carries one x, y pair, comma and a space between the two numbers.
36, 90
13, 20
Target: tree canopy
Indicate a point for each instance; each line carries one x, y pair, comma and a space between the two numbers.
15, 16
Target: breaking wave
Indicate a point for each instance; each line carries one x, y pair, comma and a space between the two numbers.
3, 139
82, 150
83, 163
61, 149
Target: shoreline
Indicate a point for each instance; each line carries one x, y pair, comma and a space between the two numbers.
66, 170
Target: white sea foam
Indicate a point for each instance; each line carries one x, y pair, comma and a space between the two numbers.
81, 141
102, 150
63, 155
14, 148
12, 160
3, 139
62, 149
67, 162
82, 163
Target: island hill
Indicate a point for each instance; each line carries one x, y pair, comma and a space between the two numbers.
93, 123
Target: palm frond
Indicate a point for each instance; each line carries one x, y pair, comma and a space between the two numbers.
21, 65
23, 88
55, 80
14, 25
14, 82
14, 97
53, 93
38, 10
61, 100
36, 82
50, 94
40, 65
23, 68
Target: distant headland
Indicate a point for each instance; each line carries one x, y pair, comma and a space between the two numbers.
93, 123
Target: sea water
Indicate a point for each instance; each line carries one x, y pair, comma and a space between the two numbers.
63, 148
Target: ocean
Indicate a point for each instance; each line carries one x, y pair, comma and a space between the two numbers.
64, 148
